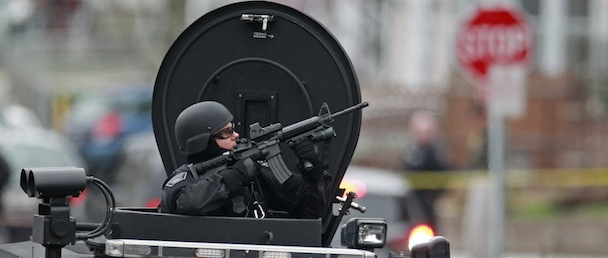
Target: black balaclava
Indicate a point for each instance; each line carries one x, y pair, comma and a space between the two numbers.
212, 151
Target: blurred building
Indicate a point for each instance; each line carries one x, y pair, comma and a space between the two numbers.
403, 51
405, 57
415, 67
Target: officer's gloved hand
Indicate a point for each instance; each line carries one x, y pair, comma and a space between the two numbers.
309, 162
240, 173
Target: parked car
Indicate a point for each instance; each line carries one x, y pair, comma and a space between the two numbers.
17, 116
386, 194
99, 122
21, 148
136, 181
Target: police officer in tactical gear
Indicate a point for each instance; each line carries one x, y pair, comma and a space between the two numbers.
204, 131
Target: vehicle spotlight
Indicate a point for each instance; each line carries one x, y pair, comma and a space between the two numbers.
364, 233
436, 247
53, 182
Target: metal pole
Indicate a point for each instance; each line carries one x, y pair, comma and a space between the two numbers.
53, 251
496, 147
553, 17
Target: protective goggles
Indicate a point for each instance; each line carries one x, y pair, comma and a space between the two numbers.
225, 133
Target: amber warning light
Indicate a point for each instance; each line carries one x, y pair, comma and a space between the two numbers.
419, 234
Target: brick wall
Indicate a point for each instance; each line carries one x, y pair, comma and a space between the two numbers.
556, 129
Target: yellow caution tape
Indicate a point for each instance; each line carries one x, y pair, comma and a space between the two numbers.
550, 178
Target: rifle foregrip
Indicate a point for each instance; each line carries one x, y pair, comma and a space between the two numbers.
279, 169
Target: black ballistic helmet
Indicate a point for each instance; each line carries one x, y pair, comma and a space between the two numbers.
197, 123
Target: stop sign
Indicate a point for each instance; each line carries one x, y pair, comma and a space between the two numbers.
493, 35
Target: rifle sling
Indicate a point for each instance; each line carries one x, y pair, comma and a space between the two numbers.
197, 177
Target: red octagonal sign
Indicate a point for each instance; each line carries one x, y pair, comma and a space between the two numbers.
493, 35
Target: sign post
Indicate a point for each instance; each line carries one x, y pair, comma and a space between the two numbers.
494, 47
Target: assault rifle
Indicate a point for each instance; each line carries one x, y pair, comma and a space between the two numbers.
264, 142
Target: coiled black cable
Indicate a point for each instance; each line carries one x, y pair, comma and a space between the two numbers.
110, 204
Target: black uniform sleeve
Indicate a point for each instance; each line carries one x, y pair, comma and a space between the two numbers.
202, 197
183, 194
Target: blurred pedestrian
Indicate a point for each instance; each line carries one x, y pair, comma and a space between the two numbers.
477, 139
5, 174
425, 153
4, 179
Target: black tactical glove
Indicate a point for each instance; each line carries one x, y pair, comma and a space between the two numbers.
240, 173
309, 162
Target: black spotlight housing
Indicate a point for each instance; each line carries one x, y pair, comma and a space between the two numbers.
436, 247
53, 182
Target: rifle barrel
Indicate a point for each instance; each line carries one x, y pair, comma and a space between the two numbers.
349, 109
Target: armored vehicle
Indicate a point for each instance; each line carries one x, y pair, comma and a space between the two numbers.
273, 67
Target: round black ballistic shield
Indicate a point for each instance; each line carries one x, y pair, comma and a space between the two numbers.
266, 63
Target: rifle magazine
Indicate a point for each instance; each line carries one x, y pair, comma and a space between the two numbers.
279, 169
